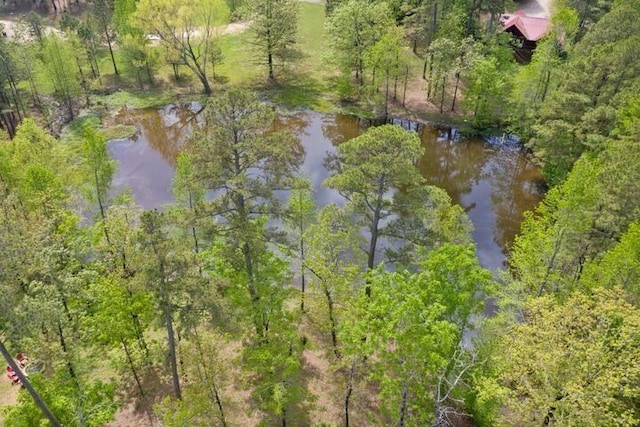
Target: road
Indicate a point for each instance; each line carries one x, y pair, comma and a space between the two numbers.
536, 8
11, 27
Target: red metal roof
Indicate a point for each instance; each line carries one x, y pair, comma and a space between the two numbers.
532, 29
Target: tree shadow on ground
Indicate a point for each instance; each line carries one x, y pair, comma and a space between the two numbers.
298, 91
138, 408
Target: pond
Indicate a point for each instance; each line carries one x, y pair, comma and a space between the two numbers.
492, 179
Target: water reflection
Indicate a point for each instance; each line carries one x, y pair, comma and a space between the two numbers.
340, 128
495, 183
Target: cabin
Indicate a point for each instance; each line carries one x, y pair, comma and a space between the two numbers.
526, 31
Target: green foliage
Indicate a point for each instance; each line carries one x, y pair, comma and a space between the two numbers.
568, 363
459, 278
387, 62
578, 221
202, 397
559, 235
486, 92
99, 166
376, 173
94, 408
140, 56
111, 321
567, 356
533, 82
300, 211
186, 29
274, 26
579, 114
619, 267
410, 328
185, 184
334, 259
37, 178
213, 261
426, 219
588, 12
299, 215
10, 99
375, 162
43, 187
128, 99
353, 28
120, 224
123, 11
119, 132
276, 372
60, 71
236, 137
236, 155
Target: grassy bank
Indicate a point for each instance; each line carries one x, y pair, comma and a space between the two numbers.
307, 81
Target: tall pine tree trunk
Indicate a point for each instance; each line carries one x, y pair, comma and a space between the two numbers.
374, 229
25, 382
113, 58
302, 259
403, 405
332, 320
132, 366
455, 92
347, 399
207, 378
171, 339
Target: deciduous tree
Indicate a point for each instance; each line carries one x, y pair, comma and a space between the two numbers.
187, 28
334, 259
354, 27
60, 69
570, 362
102, 12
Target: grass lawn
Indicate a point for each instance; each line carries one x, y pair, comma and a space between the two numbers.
240, 65
306, 81
136, 98
299, 84
307, 84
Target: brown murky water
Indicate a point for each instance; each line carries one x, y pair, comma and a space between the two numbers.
492, 180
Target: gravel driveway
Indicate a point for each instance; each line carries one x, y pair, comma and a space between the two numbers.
537, 8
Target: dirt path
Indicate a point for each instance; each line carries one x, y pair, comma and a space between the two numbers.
536, 8
11, 27
8, 395
234, 28
8, 27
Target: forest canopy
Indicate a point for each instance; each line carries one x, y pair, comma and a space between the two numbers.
243, 302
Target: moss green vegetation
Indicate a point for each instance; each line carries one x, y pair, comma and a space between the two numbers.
72, 132
135, 99
118, 132
239, 65
369, 345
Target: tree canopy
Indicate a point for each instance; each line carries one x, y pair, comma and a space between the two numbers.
245, 300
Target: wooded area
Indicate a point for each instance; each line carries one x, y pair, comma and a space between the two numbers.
236, 305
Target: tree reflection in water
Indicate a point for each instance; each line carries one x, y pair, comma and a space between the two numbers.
494, 182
